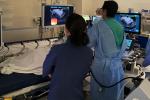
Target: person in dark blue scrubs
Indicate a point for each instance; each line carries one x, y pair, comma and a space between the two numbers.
147, 57
69, 63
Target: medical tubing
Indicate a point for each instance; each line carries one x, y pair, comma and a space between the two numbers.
110, 86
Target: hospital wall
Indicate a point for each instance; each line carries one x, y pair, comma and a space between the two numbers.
18, 15
137, 5
89, 6
85, 7
18, 18
77, 5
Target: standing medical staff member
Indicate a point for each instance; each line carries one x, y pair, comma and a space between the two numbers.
107, 39
68, 63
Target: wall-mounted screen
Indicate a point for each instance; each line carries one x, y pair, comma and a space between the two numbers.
130, 21
86, 17
55, 15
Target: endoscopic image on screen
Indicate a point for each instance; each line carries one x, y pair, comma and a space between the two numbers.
56, 15
131, 23
129, 43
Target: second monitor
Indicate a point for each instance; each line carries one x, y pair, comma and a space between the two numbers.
130, 21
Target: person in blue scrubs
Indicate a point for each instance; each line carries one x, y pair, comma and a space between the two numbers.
67, 64
147, 57
107, 39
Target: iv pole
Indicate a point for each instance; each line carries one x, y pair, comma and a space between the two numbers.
1, 42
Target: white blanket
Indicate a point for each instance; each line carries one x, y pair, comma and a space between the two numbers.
29, 62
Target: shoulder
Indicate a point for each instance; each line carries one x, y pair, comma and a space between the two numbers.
88, 50
100, 24
96, 25
119, 25
57, 47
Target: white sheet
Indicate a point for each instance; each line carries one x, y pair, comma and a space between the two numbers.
43, 43
13, 49
30, 45
29, 62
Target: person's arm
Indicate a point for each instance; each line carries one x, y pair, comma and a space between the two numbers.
147, 58
49, 63
146, 61
92, 31
148, 47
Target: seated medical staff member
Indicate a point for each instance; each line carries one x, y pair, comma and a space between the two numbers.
107, 38
68, 63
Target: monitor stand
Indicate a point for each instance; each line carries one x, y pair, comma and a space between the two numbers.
1, 44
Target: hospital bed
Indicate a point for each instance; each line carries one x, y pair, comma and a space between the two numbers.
20, 86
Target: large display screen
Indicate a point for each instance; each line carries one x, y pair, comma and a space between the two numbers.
142, 41
93, 18
56, 15
130, 21
86, 17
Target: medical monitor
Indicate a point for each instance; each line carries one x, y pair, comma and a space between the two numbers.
130, 21
93, 18
54, 15
142, 41
129, 43
86, 17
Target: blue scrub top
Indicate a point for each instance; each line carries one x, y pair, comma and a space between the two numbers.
68, 66
107, 65
147, 58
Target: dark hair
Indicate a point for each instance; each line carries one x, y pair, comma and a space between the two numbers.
111, 8
98, 11
77, 27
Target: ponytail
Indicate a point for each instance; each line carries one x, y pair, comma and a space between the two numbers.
77, 27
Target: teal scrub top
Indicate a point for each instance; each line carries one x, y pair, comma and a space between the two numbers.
117, 30
107, 65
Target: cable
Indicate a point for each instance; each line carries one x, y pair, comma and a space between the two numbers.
37, 44
21, 51
115, 83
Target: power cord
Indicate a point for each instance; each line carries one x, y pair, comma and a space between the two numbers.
110, 86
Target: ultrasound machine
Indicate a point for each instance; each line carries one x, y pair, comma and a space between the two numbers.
134, 55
